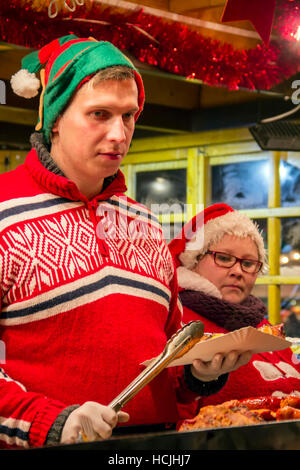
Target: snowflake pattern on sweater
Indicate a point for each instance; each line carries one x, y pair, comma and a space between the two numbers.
88, 293
51, 253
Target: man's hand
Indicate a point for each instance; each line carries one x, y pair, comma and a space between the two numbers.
219, 365
94, 420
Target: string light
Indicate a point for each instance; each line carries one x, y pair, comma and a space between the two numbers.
297, 34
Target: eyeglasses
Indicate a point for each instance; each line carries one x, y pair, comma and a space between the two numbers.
225, 260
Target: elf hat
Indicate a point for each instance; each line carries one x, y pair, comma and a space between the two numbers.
209, 227
64, 65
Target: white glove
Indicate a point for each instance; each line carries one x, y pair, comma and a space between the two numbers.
94, 420
219, 365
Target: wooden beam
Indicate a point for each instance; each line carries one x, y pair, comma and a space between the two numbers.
164, 117
274, 229
166, 91
178, 6
10, 61
276, 212
160, 4
15, 136
26, 117
185, 19
190, 140
277, 280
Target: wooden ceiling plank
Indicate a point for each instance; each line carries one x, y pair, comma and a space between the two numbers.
10, 61
178, 6
25, 117
157, 4
184, 19
172, 93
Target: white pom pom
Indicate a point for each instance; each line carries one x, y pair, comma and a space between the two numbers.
25, 83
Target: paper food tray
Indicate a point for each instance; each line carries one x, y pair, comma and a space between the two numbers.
244, 339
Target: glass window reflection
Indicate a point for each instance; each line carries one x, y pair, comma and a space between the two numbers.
261, 291
262, 225
162, 187
290, 309
290, 246
290, 184
241, 185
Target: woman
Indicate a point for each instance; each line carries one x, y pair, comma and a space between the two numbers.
219, 255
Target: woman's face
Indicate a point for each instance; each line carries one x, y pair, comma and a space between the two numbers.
234, 284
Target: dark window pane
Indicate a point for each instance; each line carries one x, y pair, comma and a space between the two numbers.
290, 246
261, 291
290, 297
162, 187
241, 185
289, 184
262, 225
290, 309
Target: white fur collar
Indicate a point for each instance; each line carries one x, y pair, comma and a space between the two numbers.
188, 279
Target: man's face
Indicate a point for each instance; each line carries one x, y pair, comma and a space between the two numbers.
91, 138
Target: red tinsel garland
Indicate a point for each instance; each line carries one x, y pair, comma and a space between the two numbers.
174, 48
287, 19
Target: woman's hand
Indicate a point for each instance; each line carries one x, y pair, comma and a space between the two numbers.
219, 365
94, 420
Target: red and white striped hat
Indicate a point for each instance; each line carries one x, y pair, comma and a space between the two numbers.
64, 65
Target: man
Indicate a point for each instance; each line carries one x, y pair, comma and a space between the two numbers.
88, 286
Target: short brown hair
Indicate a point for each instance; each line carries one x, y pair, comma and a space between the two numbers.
116, 72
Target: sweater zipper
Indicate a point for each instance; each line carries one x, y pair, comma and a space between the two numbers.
92, 208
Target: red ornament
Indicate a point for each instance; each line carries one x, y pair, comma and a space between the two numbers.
259, 12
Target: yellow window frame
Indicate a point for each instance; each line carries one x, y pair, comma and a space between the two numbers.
201, 151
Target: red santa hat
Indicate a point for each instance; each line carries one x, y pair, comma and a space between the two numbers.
204, 229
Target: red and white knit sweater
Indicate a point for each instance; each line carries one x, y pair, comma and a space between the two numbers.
274, 373
267, 374
80, 314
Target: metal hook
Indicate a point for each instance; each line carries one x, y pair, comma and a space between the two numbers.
51, 13
69, 7
68, 4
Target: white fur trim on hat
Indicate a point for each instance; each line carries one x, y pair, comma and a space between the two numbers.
25, 84
191, 280
232, 223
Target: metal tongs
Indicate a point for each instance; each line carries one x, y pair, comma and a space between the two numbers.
178, 345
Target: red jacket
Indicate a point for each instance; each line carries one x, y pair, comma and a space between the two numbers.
273, 373
79, 314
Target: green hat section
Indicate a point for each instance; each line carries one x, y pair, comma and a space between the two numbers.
34, 61
75, 63
65, 63
31, 62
